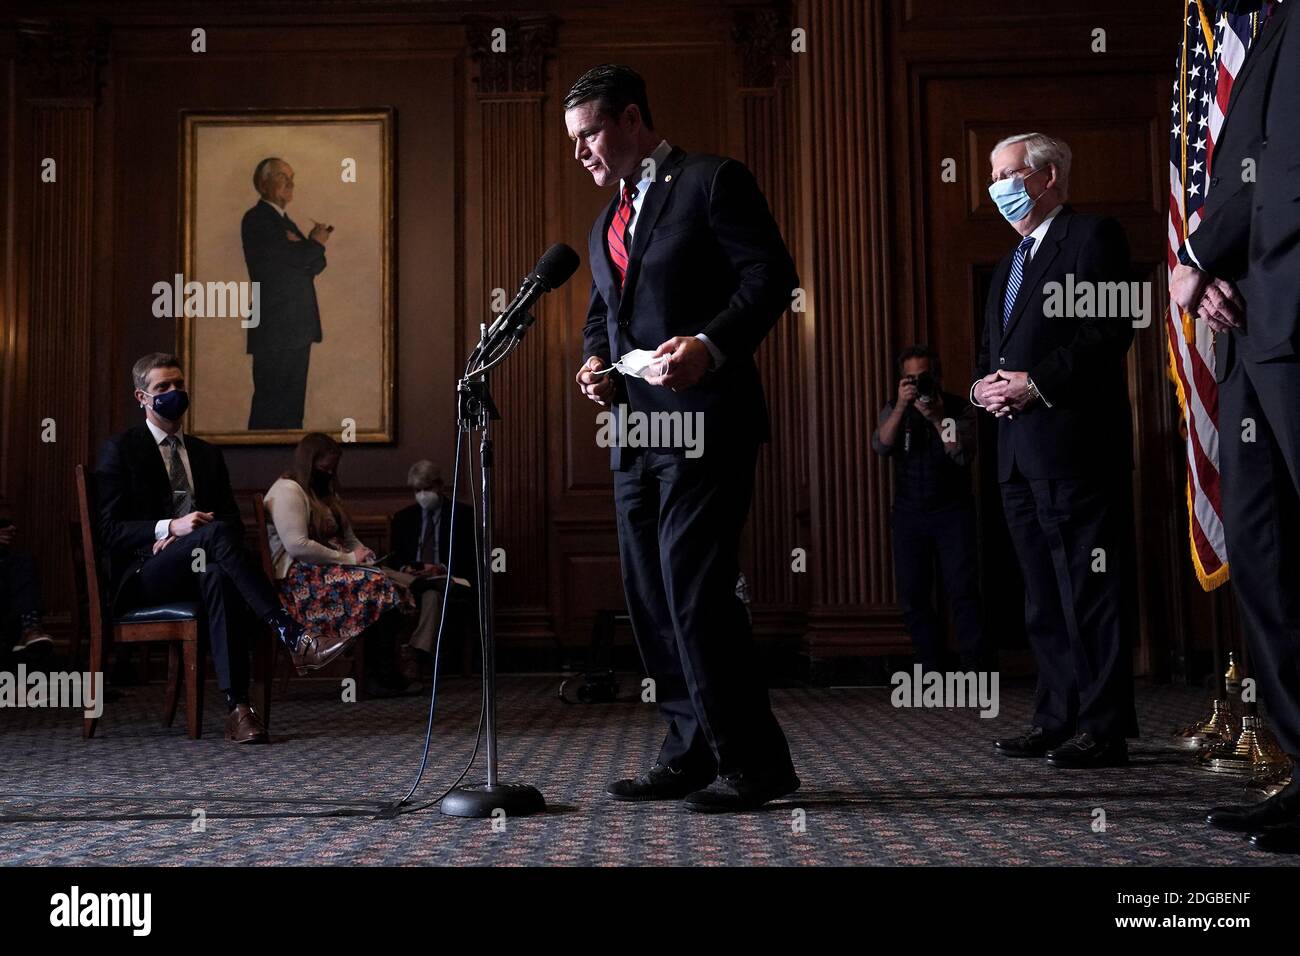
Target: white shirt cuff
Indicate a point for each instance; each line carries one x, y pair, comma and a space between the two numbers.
1187, 244
160, 529
1041, 397
971, 394
718, 357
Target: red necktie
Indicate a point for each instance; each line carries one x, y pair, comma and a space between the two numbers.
618, 230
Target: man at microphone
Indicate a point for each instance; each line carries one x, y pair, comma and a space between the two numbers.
688, 263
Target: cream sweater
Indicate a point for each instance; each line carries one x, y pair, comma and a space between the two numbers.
288, 512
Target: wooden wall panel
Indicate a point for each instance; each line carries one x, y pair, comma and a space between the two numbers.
961, 97
844, 139
509, 88
59, 71
780, 518
845, 266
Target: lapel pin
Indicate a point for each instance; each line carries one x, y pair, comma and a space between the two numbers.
668, 178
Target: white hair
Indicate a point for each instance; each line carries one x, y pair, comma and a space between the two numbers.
1040, 151
424, 474
263, 171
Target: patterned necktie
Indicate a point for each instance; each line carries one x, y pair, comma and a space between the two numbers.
618, 231
1017, 276
426, 537
182, 493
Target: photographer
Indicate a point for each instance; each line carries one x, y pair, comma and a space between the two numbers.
930, 435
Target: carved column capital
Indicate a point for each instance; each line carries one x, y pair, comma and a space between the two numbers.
61, 60
762, 35
511, 52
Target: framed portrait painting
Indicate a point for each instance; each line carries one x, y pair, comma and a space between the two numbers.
284, 301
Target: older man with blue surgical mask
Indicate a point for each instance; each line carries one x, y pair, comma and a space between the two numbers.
1055, 380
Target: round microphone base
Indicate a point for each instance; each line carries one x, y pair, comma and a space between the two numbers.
480, 800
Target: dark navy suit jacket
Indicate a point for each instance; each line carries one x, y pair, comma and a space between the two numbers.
706, 257
135, 493
1078, 364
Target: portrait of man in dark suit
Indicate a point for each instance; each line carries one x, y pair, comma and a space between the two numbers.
284, 261
686, 262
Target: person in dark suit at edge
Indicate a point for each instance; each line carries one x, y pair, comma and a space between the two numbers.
687, 262
1239, 271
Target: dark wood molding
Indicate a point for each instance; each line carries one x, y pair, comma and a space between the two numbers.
61, 61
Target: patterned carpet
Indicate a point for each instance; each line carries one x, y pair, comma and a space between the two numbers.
880, 786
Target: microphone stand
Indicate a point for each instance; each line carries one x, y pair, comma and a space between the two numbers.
475, 410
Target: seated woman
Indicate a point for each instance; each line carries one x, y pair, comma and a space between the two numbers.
327, 578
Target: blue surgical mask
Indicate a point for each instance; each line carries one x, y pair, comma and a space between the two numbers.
1014, 201
172, 405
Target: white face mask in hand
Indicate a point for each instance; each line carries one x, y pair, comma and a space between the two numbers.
637, 363
425, 499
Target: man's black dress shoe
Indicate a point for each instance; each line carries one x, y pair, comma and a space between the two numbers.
1281, 808
738, 791
1283, 839
1036, 743
660, 782
1083, 751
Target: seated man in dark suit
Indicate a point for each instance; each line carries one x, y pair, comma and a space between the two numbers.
157, 486
422, 545
1053, 373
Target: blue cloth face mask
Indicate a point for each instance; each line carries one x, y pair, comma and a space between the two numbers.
1014, 201
172, 405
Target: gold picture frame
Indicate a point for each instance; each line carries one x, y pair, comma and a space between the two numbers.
342, 161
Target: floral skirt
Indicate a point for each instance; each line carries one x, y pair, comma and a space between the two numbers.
340, 600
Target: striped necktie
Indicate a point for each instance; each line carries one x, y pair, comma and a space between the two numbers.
617, 233
1017, 276
182, 493
428, 550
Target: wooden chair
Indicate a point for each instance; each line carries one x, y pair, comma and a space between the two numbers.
268, 651
176, 623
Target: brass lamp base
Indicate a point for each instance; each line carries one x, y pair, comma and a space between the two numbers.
1216, 727
1254, 752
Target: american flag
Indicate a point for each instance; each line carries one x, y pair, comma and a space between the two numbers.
1211, 54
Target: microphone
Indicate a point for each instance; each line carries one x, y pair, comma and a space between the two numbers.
553, 269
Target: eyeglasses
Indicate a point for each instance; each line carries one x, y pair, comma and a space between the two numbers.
1013, 172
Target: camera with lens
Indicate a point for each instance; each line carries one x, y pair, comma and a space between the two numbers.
925, 387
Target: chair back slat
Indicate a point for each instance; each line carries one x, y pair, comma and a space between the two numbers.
263, 539
86, 494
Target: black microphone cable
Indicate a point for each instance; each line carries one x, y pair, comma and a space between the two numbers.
400, 807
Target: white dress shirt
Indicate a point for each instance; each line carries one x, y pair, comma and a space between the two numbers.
164, 449
1038, 234
284, 213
